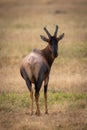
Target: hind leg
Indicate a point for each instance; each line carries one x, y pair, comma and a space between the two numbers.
31, 93
29, 85
37, 89
37, 104
45, 93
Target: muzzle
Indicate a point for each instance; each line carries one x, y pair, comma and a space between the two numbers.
55, 55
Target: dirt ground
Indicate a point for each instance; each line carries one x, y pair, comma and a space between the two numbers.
21, 23
55, 120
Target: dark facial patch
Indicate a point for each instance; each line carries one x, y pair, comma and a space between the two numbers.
54, 46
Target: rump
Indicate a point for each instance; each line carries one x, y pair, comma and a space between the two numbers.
34, 65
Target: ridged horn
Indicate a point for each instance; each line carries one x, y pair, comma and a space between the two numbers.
55, 33
49, 35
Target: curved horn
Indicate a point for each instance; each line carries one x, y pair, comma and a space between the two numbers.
49, 35
55, 33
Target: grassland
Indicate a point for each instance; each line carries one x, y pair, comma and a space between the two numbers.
21, 23
15, 107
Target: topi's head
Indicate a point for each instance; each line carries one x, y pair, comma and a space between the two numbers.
53, 41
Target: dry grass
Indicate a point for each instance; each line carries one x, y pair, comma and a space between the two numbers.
21, 23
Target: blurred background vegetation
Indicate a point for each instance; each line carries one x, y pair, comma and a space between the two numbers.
21, 23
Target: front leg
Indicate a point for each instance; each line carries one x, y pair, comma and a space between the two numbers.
45, 93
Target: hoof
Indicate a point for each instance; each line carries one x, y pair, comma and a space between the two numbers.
37, 113
31, 113
46, 112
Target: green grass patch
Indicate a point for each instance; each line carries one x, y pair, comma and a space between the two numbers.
68, 96
14, 100
61, 97
9, 101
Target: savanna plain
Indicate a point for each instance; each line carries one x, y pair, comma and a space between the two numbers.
21, 23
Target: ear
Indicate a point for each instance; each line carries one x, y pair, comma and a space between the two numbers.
61, 36
44, 38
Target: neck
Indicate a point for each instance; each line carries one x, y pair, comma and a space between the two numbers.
47, 54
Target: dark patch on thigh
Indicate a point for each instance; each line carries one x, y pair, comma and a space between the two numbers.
23, 73
26, 78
